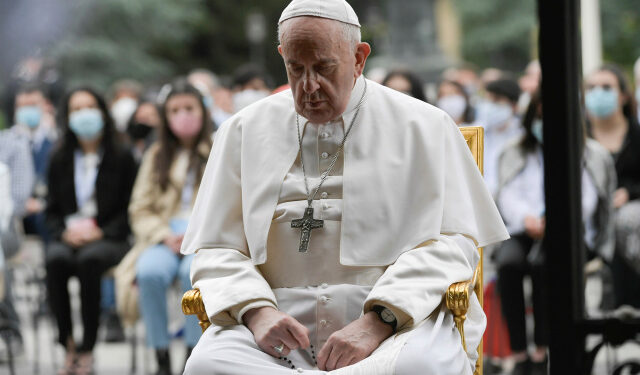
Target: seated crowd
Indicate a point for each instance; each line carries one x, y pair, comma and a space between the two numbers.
108, 185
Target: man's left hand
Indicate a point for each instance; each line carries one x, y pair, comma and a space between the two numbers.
353, 343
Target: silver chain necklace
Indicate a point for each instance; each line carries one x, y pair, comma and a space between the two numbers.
307, 223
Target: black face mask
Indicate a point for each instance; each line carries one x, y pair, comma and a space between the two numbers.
139, 131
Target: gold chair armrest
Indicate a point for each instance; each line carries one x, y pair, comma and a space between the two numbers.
457, 300
192, 305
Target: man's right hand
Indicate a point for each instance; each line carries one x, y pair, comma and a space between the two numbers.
271, 327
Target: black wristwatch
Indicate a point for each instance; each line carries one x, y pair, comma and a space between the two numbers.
386, 316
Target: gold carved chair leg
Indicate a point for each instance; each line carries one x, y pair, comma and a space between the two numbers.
192, 305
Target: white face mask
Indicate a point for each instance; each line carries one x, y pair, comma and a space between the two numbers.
121, 111
492, 114
454, 105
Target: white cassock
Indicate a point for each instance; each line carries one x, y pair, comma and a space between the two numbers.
404, 210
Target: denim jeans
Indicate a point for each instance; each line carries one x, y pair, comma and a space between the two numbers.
156, 269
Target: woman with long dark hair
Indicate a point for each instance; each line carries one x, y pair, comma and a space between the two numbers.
611, 110
521, 201
90, 180
161, 204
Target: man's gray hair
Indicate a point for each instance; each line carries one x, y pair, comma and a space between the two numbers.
350, 33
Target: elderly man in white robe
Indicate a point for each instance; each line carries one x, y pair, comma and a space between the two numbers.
331, 219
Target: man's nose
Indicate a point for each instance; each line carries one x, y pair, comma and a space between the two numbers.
310, 84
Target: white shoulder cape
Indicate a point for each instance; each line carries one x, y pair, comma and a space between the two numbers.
408, 176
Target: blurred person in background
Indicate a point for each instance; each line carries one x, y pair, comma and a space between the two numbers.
466, 76
497, 115
453, 99
141, 133
250, 84
636, 74
160, 208
8, 317
529, 83
90, 181
217, 99
123, 96
15, 152
143, 127
612, 114
405, 82
521, 202
489, 75
31, 108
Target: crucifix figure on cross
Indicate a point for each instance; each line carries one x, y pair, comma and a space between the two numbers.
307, 224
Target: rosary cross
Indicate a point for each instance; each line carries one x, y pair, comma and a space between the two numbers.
307, 224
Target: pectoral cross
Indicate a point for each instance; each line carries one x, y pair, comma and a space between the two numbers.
307, 224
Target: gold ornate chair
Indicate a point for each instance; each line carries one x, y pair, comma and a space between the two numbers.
457, 296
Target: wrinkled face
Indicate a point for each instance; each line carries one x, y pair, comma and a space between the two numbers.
321, 66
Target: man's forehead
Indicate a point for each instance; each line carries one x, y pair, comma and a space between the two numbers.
320, 61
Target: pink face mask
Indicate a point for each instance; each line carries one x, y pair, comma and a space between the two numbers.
185, 124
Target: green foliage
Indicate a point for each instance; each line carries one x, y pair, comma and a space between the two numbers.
621, 31
155, 40
111, 39
497, 33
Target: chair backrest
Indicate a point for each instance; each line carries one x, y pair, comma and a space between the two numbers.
474, 135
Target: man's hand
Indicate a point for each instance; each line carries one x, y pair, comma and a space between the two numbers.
354, 342
620, 197
271, 327
534, 226
174, 242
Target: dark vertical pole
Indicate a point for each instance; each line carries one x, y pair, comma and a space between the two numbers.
563, 143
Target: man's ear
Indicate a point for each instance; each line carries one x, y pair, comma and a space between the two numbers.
280, 50
363, 50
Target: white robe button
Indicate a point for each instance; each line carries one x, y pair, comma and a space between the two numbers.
300, 370
324, 135
324, 285
323, 323
324, 155
324, 195
324, 299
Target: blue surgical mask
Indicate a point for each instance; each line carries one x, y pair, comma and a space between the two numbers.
29, 115
492, 114
86, 123
601, 103
536, 130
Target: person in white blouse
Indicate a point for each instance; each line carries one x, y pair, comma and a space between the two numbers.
521, 201
497, 114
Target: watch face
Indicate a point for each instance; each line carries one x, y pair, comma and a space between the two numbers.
387, 315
